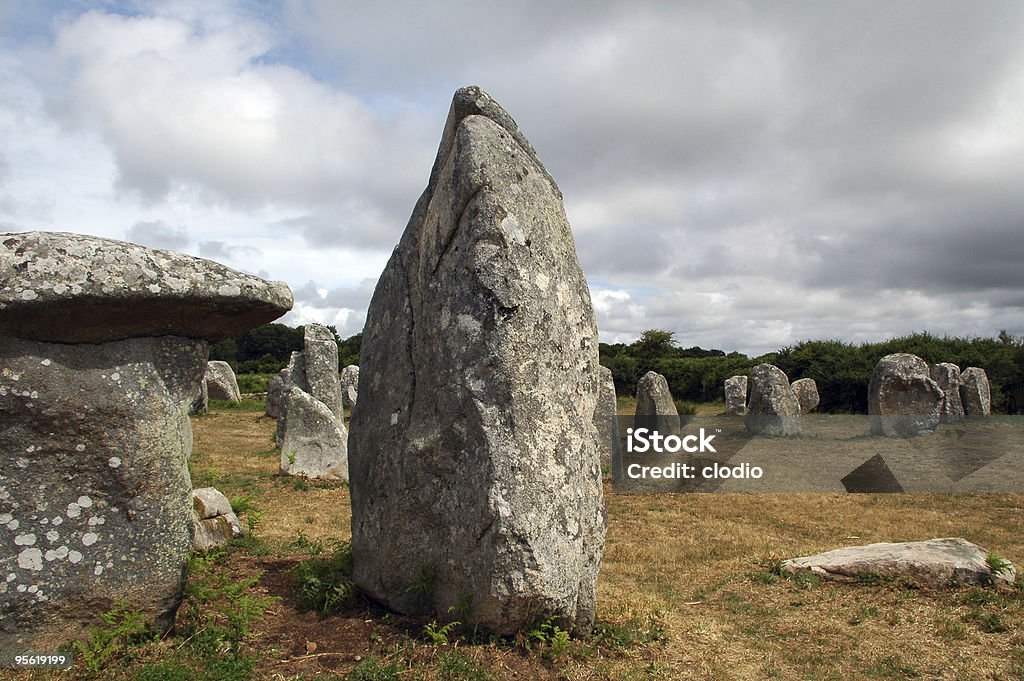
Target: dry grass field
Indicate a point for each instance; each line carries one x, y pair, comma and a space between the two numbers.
687, 590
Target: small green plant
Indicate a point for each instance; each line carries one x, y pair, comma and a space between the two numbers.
121, 629
997, 565
373, 668
325, 582
313, 547
457, 666
438, 633
291, 457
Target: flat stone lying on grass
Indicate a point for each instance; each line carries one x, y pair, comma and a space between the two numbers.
220, 381
932, 563
103, 346
213, 521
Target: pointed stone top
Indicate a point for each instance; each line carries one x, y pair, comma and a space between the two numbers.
473, 101
74, 288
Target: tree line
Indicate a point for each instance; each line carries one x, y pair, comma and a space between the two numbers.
841, 370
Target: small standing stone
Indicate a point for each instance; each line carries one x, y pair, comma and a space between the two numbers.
773, 408
947, 377
806, 391
350, 385
320, 352
314, 444
221, 383
903, 400
736, 395
605, 417
213, 521
655, 408
975, 392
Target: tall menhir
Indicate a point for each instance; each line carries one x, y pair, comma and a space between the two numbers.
474, 470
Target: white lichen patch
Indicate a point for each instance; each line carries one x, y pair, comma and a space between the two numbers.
98, 570
27, 539
46, 362
89, 538
115, 376
52, 536
5, 518
13, 524
114, 462
229, 290
96, 520
30, 559
74, 556
57, 520
84, 501
74, 510
80, 447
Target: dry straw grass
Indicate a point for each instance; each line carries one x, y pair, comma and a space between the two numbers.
700, 567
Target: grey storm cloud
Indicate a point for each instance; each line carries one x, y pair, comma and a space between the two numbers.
158, 234
746, 174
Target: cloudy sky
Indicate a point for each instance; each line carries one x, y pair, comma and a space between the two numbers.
746, 174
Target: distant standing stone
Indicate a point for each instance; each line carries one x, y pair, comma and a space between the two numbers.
221, 383
975, 392
350, 385
935, 563
605, 417
947, 377
320, 352
736, 395
903, 400
314, 444
475, 478
806, 391
655, 408
275, 394
773, 408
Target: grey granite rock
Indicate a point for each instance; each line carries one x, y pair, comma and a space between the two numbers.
932, 563
975, 393
314, 443
350, 385
320, 352
773, 408
475, 476
806, 391
655, 408
73, 288
903, 400
736, 395
947, 377
214, 523
221, 383
605, 418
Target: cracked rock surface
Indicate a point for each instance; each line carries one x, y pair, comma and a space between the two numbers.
473, 459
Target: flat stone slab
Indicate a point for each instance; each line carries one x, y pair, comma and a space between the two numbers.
934, 562
73, 288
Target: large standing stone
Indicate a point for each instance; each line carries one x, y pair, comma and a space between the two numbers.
314, 443
935, 563
736, 395
655, 408
975, 392
221, 383
350, 385
475, 477
947, 377
806, 391
773, 408
903, 400
320, 352
94, 437
606, 417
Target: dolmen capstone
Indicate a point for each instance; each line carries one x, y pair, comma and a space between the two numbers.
934, 563
736, 395
806, 391
350, 385
947, 377
103, 345
975, 393
311, 429
773, 408
655, 408
221, 383
475, 479
214, 523
903, 400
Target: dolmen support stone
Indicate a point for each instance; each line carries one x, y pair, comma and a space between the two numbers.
806, 391
773, 408
934, 563
221, 383
947, 377
736, 395
975, 393
655, 408
903, 400
310, 423
475, 479
103, 345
